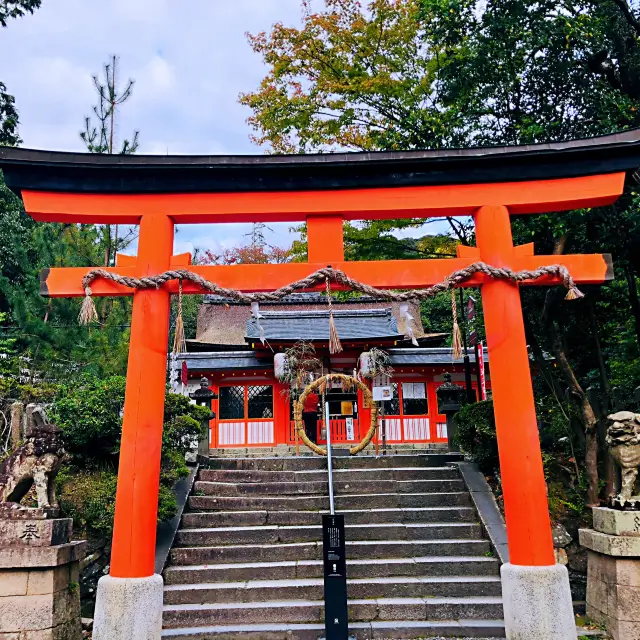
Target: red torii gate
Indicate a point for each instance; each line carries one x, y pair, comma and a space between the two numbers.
490, 203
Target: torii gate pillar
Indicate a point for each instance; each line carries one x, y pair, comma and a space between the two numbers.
535, 590
132, 588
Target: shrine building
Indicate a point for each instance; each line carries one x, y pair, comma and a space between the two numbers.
254, 409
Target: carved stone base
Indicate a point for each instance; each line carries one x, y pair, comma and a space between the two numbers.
17, 511
39, 576
36, 533
40, 592
613, 581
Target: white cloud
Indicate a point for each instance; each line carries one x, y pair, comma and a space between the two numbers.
157, 78
190, 61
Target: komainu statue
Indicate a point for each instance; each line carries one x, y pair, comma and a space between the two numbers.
623, 438
37, 462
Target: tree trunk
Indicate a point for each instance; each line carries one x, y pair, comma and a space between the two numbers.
107, 245
547, 374
587, 415
607, 461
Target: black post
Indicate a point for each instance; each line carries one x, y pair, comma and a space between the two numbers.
336, 619
467, 363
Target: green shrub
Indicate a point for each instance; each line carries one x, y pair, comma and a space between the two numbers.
183, 423
88, 498
167, 504
476, 435
88, 411
172, 468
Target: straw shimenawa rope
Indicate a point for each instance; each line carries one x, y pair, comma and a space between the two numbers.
339, 277
321, 383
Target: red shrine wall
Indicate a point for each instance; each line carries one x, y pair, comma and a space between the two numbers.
253, 410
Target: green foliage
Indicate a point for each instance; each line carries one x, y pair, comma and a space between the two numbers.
388, 75
8, 118
167, 504
182, 422
477, 435
16, 9
100, 137
88, 498
88, 411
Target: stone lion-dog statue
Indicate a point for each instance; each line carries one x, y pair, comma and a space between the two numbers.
36, 462
623, 438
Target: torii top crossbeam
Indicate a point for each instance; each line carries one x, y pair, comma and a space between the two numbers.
159, 191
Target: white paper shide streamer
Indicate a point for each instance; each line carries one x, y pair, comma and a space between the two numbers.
255, 312
408, 318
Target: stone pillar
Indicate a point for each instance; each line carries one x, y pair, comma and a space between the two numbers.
39, 576
17, 426
613, 574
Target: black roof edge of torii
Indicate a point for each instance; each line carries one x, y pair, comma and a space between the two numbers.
146, 174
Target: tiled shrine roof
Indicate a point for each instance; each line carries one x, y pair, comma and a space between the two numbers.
351, 324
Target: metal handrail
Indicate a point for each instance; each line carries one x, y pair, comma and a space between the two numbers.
327, 423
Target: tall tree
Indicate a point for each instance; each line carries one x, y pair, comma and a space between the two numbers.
403, 74
101, 136
353, 77
16, 9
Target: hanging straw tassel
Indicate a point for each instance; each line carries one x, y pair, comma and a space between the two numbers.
335, 346
88, 313
574, 293
179, 342
456, 338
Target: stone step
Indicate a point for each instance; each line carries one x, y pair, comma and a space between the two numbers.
374, 475
365, 516
378, 630
313, 589
313, 551
351, 462
363, 610
427, 566
267, 534
318, 502
321, 488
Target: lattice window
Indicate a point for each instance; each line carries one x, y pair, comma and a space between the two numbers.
231, 405
260, 402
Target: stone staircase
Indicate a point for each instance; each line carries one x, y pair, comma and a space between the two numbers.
247, 560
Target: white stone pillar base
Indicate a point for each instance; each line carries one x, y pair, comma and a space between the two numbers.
128, 608
537, 603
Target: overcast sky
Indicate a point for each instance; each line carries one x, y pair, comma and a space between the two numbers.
190, 60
